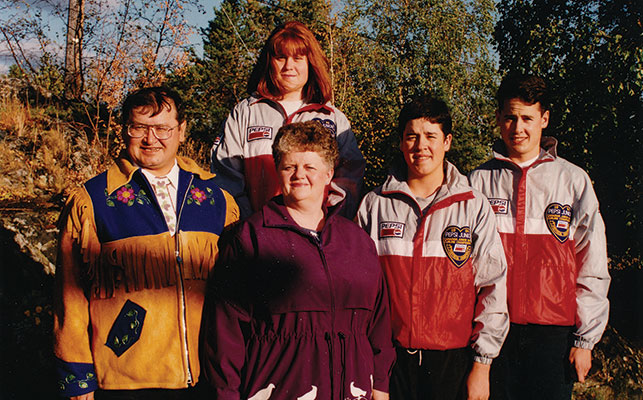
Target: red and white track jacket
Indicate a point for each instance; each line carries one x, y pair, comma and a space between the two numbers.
242, 155
444, 266
554, 240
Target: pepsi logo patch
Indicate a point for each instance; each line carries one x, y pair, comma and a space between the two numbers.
558, 218
391, 229
456, 243
259, 132
328, 124
499, 206
217, 141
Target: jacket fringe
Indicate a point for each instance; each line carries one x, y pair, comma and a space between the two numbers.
134, 263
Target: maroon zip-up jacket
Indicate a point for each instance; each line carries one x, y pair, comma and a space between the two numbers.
297, 314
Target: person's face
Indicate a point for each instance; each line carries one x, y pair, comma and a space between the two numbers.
148, 152
303, 176
291, 73
521, 126
423, 145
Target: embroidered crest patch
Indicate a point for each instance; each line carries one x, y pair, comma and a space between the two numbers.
328, 124
390, 229
456, 243
499, 206
558, 218
259, 132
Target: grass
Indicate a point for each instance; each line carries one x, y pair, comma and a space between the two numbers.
44, 156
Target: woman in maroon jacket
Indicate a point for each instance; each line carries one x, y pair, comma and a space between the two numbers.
298, 307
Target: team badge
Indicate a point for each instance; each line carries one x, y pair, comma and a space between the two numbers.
391, 230
328, 124
456, 243
558, 218
499, 206
259, 132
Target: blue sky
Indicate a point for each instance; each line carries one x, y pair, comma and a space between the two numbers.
11, 10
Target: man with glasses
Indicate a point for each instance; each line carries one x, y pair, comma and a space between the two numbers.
136, 246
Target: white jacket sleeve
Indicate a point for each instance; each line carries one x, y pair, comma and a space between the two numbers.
592, 282
491, 318
226, 160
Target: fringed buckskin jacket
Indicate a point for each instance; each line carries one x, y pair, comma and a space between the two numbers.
129, 296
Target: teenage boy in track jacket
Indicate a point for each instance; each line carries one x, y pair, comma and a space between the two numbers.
554, 240
443, 261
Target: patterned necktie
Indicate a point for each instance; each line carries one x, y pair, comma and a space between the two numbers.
160, 185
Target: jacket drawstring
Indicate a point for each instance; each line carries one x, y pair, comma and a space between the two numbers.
329, 342
342, 342
419, 355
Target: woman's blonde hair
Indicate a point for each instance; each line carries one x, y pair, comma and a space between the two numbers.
291, 39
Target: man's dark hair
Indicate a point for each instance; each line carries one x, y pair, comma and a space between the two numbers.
428, 107
529, 88
157, 98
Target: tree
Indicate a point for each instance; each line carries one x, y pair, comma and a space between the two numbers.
380, 54
592, 55
212, 85
389, 51
73, 53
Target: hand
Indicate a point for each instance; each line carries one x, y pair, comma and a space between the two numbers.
478, 382
377, 395
582, 360
86, 396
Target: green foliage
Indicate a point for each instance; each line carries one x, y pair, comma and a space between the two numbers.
592, 55
380, 53
231, 45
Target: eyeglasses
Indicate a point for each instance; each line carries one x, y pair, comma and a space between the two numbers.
160, 132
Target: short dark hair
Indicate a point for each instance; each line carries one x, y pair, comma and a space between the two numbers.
529, 88
306, 136
155, 97
428, 107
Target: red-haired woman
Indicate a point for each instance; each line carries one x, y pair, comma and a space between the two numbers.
289, 83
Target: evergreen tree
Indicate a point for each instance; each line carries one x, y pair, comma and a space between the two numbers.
231, 45
394, 50
591, 53
380, 54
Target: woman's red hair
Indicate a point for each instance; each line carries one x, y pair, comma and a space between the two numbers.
291, 39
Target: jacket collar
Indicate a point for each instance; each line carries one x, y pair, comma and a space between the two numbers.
257, 98
122, 171
548, 150
454, 183
276, 215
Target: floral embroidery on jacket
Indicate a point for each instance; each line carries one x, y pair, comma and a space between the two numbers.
127, 196
198, 196
71, 379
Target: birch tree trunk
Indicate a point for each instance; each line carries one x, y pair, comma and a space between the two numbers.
73, 53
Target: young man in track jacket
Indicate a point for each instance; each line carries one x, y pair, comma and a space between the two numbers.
554, 240
443, 261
